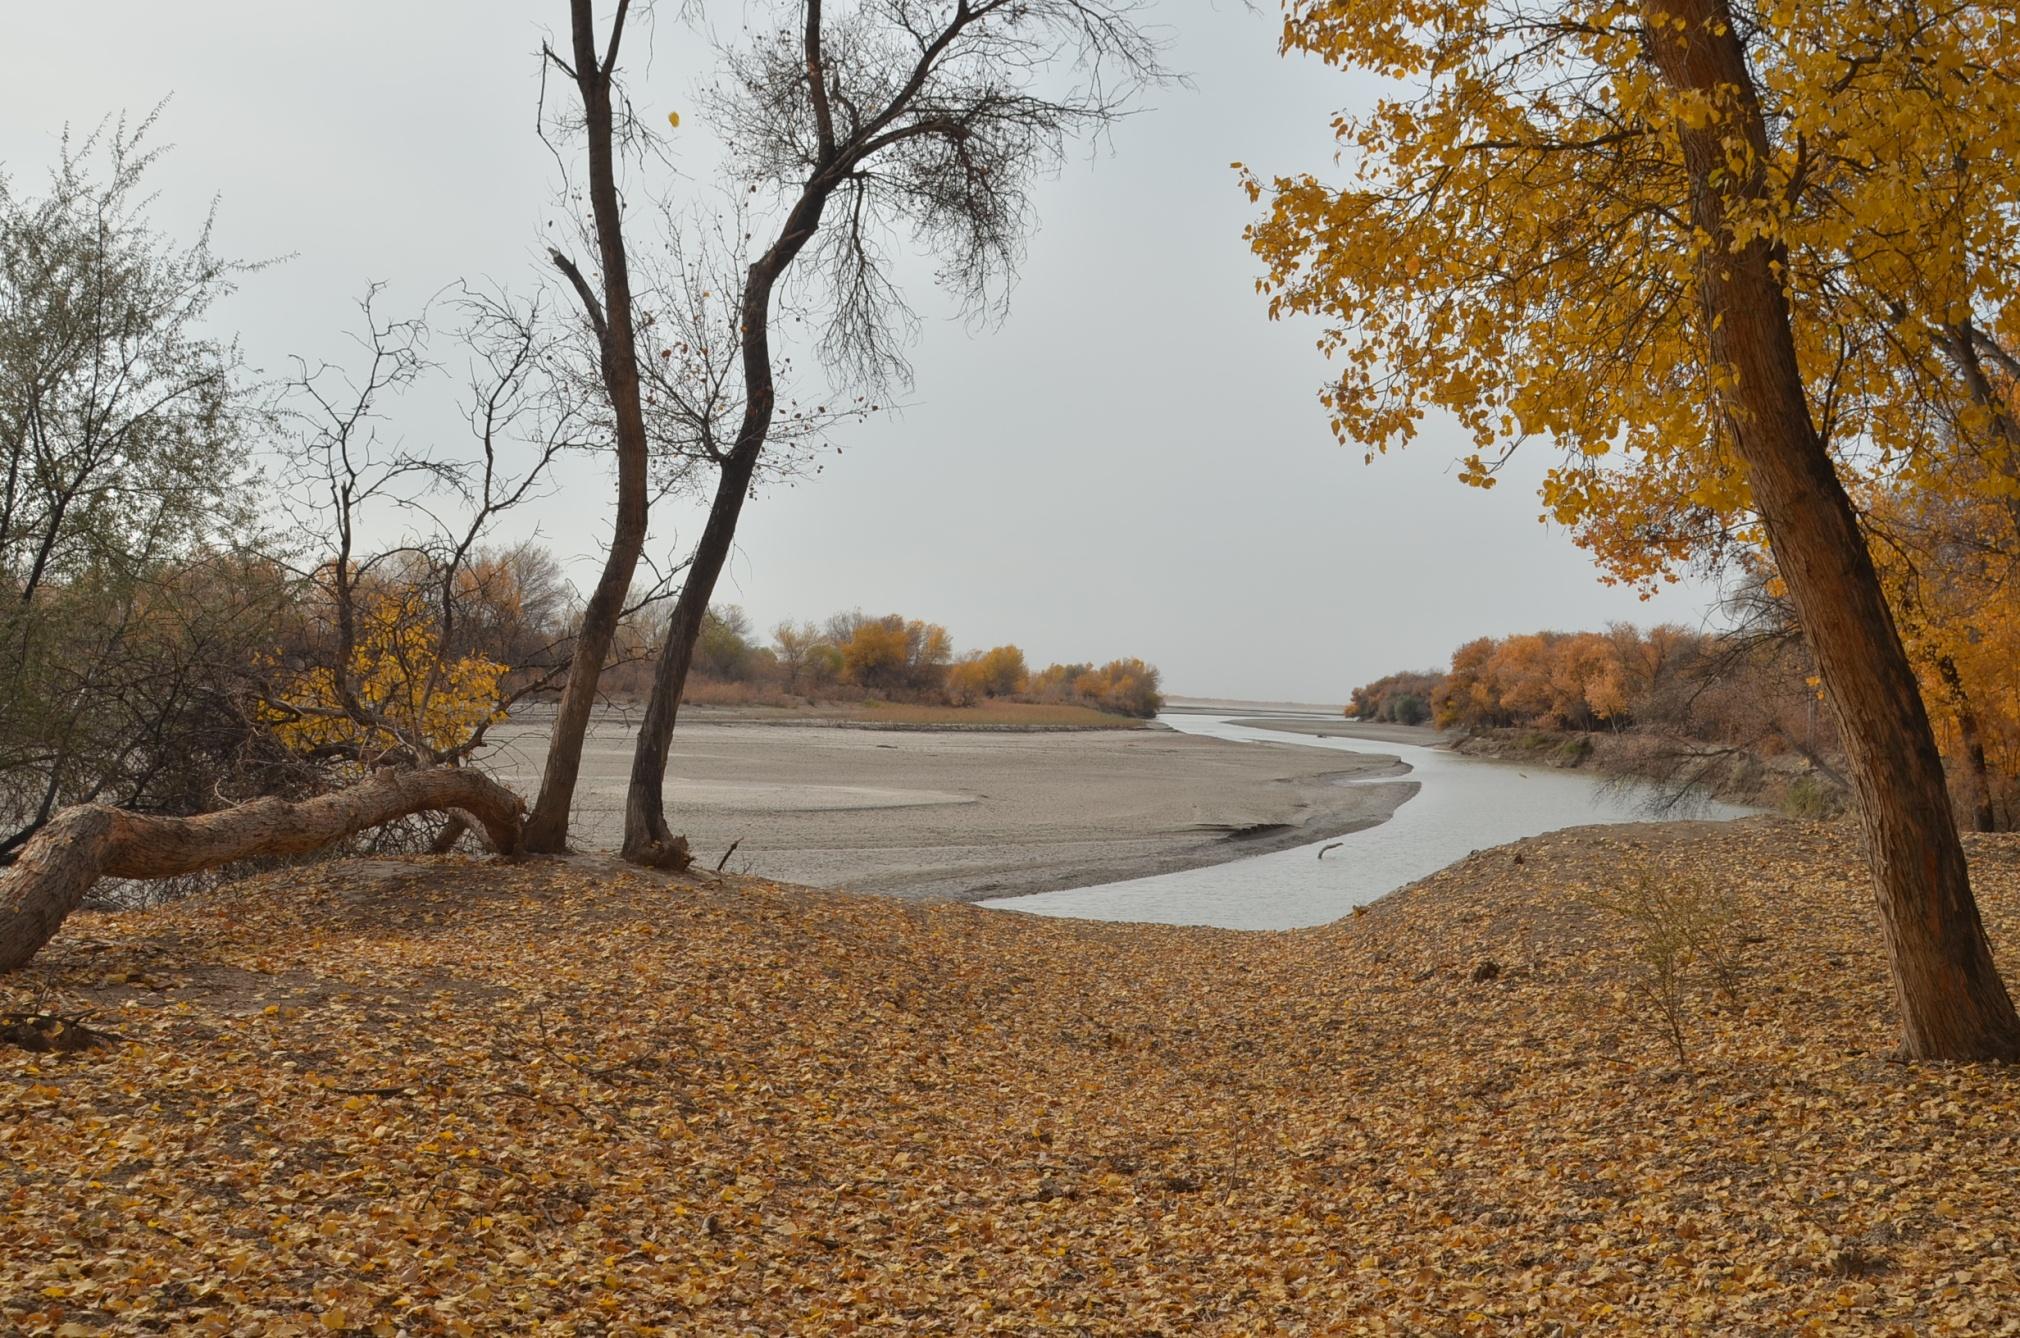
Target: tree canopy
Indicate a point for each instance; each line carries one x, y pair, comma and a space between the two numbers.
1513, 246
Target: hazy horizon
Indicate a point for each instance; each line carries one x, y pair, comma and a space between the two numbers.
1134, 462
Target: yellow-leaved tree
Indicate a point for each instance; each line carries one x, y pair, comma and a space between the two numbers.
396, 689
1727, 261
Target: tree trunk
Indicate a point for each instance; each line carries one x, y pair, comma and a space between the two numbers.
547, 828
1952, 1002
1975, 768
92, 841
647, 839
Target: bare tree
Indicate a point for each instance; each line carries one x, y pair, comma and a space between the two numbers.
924, 116
591, 66
377, 691
420, 593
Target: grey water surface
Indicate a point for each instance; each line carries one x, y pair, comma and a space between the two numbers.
1464, 804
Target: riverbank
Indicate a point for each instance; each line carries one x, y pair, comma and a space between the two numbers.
1679, 768
934, 814
456, 1096
1676, 769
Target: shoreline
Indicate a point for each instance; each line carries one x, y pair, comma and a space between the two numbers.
1388, 796
1788, 783
857, 715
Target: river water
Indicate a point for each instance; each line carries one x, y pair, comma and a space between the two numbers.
1463, 804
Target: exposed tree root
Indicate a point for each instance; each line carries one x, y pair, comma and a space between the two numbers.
670, 853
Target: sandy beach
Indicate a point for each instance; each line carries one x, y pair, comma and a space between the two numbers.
951, 815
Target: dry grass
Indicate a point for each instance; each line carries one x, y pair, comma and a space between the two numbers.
445, 1096
708, 692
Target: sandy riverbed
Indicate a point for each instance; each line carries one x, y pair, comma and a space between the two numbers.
935, 815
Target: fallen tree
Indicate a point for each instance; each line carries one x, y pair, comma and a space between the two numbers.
81, 845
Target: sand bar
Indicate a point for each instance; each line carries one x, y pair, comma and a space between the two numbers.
949, 815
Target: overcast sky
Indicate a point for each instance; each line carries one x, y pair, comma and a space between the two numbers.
1134, 463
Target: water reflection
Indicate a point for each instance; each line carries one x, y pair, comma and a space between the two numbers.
1464, 804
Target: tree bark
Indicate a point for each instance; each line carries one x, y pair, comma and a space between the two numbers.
92, 841
1975, 767
547, 827
647, 838
1953, 1004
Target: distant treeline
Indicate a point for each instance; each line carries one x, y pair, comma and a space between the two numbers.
1705, 696
853, 656
1717, 689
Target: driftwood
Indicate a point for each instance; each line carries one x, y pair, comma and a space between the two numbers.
80, 845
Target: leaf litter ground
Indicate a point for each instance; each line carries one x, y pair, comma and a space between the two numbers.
560, 1096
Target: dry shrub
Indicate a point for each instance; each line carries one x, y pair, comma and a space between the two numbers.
1684, 932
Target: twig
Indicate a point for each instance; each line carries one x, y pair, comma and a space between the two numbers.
727, 853
374, 1091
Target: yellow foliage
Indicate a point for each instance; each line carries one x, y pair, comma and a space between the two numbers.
397, 681
1952, 573
1511, 246
966, 682
891, 652
875, 654
1553, 680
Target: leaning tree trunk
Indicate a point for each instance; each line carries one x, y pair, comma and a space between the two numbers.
92, 841
1953, 1004
547, 828
647, 838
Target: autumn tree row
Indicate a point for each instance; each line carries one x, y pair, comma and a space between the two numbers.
898, 658
224, 675
1751, 689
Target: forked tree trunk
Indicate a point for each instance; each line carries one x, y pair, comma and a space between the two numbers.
92, 841
1953, 1004
547, 828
